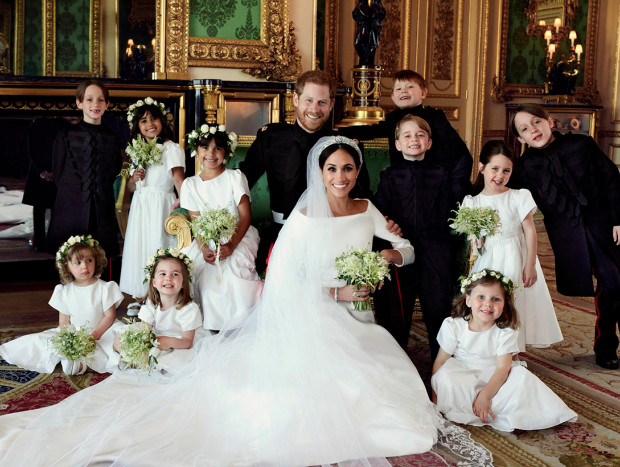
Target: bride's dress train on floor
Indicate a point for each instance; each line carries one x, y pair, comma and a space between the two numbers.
299, 382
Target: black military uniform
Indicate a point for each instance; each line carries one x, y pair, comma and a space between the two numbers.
577, 188
281, 150
86, 160
419, 196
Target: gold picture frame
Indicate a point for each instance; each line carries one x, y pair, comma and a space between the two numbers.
49, 41
273, 57
503, 91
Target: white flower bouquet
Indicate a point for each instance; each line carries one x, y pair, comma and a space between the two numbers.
477, 224
362, 267
142, 154
73, 343
215, 227
139, 345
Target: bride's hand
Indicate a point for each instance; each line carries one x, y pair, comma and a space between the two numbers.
349, 293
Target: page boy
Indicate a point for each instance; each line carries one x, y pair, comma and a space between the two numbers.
85, 161
419, 192
408, 94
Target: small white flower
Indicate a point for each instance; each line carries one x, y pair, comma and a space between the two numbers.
221, 128
148, 101
140, 103
204, 128
212, 130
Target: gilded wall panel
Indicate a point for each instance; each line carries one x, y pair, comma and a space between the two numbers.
445, 55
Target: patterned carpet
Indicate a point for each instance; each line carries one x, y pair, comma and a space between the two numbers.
567, 368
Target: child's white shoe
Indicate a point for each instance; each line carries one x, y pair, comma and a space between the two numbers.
133, 309
67, 366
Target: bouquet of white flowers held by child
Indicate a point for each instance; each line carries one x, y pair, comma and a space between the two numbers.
215, 227
73, 343
139, 345
362, 267
142, 154
477, 224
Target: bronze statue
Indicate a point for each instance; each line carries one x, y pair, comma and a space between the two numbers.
368, 30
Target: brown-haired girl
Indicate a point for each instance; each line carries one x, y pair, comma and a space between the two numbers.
153, 197
513, 250
168, 308
83, 300
230, 292
475, 381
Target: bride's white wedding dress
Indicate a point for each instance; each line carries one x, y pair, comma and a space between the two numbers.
301, 381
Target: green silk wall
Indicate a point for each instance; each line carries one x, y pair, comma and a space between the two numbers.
33, 22
225, 19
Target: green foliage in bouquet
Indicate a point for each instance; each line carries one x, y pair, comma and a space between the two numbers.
361, 267
73, 343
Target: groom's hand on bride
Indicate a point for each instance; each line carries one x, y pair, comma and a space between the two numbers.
393, 227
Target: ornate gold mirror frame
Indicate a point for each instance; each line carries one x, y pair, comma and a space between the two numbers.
49, 40
273, 57
504, 91
548, 10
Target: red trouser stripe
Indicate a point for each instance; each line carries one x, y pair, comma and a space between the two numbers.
400, 297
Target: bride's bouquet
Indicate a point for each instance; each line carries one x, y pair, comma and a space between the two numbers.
362, 267
477, 224
142, 154
73, 343
139, 345
215, 227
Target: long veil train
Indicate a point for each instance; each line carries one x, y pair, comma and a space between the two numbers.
293, 384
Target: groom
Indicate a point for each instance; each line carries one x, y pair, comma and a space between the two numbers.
281, 149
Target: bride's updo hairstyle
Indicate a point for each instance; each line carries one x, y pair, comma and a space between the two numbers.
329, 150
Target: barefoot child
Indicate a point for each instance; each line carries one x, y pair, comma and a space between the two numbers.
169, 309
231, 293
474, 378
513, 250
82, 299
153, 198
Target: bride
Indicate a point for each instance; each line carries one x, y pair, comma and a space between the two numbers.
303, 380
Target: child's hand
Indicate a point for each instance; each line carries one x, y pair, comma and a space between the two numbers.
165, 343
47, 176
175, 205
529, 276
227, 249
616, 233
208, 254
349, 293
482, 408
392, 256
138, 175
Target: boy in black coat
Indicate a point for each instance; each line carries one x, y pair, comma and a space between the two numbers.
419, 192
577, 188
86, 160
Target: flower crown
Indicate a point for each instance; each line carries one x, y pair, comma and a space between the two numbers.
86, 240
206, 130
171, 251
508, 285
133, 108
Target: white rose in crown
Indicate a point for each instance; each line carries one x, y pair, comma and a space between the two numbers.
148, 101
204, 128
140, 103
221, 128
212, 130
73, 240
